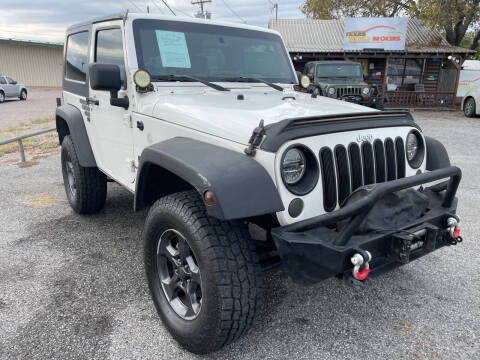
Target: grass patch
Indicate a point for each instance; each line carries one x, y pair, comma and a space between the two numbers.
38, 144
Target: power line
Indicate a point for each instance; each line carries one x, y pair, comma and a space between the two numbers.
169, 8
157, 6
233, 11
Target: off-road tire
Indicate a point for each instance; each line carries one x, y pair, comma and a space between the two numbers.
23, 95
90, 183
230, 274
379, 105
469, 108
2, 97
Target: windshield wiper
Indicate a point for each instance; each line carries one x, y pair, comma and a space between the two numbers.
188, 78
249, 79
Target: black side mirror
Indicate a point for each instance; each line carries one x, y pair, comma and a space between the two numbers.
299, 76
106, 77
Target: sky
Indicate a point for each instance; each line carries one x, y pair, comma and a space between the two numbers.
46, 20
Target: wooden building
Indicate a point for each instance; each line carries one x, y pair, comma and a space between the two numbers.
424, 75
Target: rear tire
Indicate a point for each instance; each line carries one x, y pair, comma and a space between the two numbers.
469, 108
227, 273
23, 95
86, 187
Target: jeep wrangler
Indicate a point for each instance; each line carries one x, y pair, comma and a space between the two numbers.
200, 121
342, 80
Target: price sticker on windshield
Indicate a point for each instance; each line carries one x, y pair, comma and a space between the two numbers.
173, 49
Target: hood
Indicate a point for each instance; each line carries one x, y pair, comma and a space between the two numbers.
227, 115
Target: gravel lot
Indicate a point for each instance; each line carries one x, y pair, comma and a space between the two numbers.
40, 103
73, 287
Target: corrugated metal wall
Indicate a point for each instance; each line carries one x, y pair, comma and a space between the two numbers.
31, 64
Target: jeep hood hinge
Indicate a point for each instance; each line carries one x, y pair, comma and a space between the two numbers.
255, 139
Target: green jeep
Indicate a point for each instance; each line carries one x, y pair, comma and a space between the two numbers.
343, 80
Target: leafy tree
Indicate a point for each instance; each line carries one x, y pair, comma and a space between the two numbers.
455, 18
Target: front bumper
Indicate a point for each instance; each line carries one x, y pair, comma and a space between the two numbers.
315, 249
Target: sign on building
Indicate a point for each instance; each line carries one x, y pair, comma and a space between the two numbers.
375, 33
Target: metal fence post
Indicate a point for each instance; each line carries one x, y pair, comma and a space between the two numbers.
22, 151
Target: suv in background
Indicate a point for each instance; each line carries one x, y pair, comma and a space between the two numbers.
343, 80
9, 88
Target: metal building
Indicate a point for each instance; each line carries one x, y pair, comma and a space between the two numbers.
32, 63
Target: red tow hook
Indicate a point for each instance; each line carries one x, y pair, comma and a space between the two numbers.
454, 230
361, 265
456, 233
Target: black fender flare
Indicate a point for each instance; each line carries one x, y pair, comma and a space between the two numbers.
242, 187
76, 128
437, 155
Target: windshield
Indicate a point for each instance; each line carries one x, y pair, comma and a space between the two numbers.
210, 52
339, 70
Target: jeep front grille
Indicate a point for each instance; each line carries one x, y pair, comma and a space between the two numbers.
345, 169
344, 91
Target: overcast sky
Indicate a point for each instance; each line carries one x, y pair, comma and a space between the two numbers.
47, 19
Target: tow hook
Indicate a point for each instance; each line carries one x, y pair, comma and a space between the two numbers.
361, 265
454, 230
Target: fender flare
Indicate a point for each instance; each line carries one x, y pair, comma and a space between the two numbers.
242, 187
76, 128
437, 155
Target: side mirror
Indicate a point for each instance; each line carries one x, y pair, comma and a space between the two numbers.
365, 76
106, 77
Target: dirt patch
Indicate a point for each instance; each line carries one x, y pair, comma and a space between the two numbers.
26, 164
41, 201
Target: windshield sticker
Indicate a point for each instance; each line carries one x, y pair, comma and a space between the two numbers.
173, 49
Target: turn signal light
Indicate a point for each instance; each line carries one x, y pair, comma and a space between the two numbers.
209, 198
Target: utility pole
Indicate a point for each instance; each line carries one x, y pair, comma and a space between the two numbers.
275, 6
202, 14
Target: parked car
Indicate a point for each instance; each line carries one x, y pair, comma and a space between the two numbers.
201, 122
339, 79
9, 88
471, 103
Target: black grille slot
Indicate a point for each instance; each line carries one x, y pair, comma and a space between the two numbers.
328, 177
400, 150
390, 156
368, 164
355, 166
379, 160
343, 174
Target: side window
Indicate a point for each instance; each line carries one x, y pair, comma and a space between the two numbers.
2, 80
310, 70
76, 62
109, 49
10, 80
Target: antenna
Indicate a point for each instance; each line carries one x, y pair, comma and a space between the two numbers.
202, 14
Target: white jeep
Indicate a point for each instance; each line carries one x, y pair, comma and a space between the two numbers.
201, 122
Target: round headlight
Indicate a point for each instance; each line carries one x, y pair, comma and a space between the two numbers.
366, 91
305, 81
331, 91
412, 146
415, 149
293, 166
142, 78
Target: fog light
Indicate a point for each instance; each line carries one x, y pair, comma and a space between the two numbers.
295, 208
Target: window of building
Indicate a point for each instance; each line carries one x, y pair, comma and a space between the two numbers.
404, 73
77, 57
109, 49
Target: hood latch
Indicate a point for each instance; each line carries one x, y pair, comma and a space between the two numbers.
255, 139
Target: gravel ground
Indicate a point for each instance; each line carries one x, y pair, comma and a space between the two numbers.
73, 287
40, 103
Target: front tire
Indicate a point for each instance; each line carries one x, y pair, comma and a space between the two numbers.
469, 108
86, 187
2, 97
23, 95
184, 246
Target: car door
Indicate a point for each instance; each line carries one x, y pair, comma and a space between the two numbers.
112, 132
13, 87
3, 84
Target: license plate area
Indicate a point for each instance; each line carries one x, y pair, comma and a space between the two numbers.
414, 241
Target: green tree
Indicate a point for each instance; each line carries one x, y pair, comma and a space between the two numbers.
455, 18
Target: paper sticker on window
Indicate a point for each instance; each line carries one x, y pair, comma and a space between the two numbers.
173, 49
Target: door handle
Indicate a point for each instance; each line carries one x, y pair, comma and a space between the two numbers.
92, 101
140, 125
